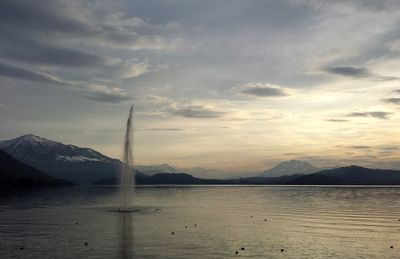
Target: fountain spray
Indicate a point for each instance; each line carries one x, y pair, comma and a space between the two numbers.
127, 177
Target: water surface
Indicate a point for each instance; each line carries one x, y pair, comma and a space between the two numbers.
207, 221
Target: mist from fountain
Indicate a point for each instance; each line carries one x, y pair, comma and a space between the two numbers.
127, 179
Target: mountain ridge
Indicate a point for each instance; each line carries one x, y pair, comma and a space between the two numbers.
63, 161
87, 166
350, 175
156, 169
17, 175
290, 167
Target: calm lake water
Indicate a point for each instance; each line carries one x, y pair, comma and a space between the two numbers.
207, 221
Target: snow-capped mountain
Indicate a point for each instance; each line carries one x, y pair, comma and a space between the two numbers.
290, 167
76, 164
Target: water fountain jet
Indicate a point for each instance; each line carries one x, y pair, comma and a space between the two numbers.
127, 178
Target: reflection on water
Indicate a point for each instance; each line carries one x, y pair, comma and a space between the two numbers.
126, 236
207, 221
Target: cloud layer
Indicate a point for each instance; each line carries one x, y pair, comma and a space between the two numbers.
45, 40
350, 71
229, 93
264, 90
377, 114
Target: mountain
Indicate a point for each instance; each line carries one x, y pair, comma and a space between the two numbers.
17, 175
181, 178
202, 172
69, 162
267, 180
198, 172
165, 178
86, 166
156, 169
350, 175
289, 168
177, 178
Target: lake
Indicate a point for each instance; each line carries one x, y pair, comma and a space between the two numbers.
207, 221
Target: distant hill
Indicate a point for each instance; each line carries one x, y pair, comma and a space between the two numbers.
179, 178
350, 175
199, 172
17, 175
266, 180
203, 172
164, 178
289, 168
75, 164
156, 169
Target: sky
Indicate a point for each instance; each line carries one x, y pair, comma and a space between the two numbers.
224, 84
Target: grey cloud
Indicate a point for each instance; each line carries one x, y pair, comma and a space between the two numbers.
38, 32
196, 111
98, 66
36, 16
41, 18
358, 114
264, 91
388, 151
292, 154
337, 120
39, 53
58, 35
108, 97
350, 71
392, 100
379, 115
370, 5
390, 148
385, 78
164, 129
385, 153
32, 76
357, 72
28, 75
359, 147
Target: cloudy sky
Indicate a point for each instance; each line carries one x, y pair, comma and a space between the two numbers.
234, 85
